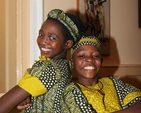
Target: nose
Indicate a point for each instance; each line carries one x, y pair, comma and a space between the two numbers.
89, 59
44, 41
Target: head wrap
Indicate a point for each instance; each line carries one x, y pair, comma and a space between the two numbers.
66, 21
86, 40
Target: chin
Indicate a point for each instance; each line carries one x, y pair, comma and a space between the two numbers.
89, 77
44, 55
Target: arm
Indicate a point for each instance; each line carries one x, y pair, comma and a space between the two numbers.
24, 104
12, 98
135, 108
131, 97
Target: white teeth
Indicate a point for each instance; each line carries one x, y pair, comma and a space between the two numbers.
45, 49
89, 67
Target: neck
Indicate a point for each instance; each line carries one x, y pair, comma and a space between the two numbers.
61, 55
88, 82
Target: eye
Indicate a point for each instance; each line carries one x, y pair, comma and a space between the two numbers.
96, 56
81, 56
52, 38
40, 34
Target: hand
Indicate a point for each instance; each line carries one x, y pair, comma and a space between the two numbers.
24, 104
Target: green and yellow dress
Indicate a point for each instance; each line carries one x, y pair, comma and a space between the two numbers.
110, 94
49, 83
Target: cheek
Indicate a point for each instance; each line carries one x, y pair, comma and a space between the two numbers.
57, 44
75, 64
78, 66
38, 40
99, 63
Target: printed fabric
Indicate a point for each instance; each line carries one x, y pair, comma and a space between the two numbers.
110, 94
55, 92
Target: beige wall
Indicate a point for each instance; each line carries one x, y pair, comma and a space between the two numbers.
65, 5
125, 34
8, 45
15, 41
2, 46
125, 57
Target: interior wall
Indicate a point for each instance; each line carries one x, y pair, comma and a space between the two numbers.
125, 34
8, 45
18, 39
65, 5
2, 46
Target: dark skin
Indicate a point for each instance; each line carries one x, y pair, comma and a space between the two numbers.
52, 44
87, 62
12, 98
51, 41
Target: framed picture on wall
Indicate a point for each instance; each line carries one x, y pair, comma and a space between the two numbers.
96, 15
139, 12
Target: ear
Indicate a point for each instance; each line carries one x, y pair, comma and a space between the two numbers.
72, 63
69, 44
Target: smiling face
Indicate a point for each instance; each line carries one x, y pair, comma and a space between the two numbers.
87, 62
51, 40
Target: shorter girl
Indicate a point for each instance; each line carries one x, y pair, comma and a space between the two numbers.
108, 94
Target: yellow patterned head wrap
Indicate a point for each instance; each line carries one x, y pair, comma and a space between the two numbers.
66, 21
86, 40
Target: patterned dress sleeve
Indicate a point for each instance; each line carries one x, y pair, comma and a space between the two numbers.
32, 85
127, 93
44, 74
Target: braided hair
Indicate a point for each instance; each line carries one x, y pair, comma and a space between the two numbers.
80, 25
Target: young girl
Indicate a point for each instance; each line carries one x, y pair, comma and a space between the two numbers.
108, 94
48, 77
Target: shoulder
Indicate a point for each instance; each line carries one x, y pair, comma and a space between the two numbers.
113, 81
117, 82
60, 62
109, 80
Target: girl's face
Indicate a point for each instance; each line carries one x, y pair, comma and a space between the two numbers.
87, 62
51, 41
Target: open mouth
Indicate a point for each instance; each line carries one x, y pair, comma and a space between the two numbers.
89, 67
45, 49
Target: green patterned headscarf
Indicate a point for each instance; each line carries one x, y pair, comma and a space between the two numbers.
72, 23
86, 40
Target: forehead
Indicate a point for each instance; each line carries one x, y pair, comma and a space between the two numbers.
51, 23
87, 48
53, 28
